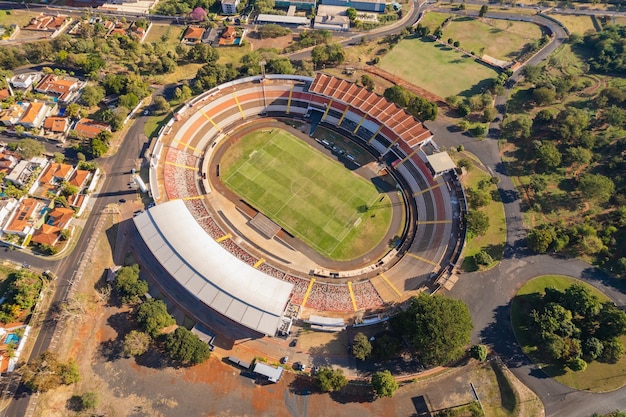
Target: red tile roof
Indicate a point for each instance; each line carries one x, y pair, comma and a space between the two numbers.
403, 124
61, 217
56, 124
46, 235
78, 178
193, 33
90, 128
55, 170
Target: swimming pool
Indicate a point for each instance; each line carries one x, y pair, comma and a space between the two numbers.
11, 338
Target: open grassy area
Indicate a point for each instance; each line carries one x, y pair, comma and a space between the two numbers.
436, 68
576, 24
16, 17
598, 377
169, 35
494, 240
499, 39
336, 212
433, 20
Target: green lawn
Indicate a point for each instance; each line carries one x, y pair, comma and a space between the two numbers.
576, 24
598, 377
494, 240
501, 40
336, 212
433, 20
438, 69
16, 17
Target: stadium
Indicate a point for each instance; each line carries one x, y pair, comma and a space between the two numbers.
282, 197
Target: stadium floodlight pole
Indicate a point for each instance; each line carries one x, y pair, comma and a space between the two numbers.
262, 64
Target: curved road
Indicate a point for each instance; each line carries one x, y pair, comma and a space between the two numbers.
488, 293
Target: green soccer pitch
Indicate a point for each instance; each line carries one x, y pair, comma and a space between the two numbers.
333, 210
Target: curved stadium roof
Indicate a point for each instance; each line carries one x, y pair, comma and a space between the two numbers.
209, 272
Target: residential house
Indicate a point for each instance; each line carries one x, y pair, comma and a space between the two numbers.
228, 36
21, 174
7, 160
13, 114
193, 35
33, 117
53, 25
50, 232
56, 173
229, 7
25, 81
65, 89
88, 128
7, 206
79, 178
57, 126
24, 218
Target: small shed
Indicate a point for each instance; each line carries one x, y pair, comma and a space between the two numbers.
273, 374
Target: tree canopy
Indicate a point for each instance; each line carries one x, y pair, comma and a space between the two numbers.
361, 346
607, 49
438, 328
152, 316
186, 347
129, 285
330, 379
47, 372
414, 104
384, 384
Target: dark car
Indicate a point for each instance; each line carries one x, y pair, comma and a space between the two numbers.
293, 343
122, 200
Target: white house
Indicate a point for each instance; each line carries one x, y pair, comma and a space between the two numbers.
25, 81
229, 6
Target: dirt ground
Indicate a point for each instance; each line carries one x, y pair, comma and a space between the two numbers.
152, 386
279, 43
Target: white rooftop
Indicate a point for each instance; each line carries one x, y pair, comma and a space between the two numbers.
273, 374
441, 162
211, 273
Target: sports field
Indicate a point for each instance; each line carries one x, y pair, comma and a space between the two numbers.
338, 213
438, 69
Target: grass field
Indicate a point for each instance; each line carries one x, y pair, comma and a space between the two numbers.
432, 20
16, 17
440, 70
576, 24
499, 39
336, 212
494, 240
598, 377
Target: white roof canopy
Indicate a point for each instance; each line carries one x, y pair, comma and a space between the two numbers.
211, 273
441, 162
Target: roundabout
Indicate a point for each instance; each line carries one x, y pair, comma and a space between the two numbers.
363, 136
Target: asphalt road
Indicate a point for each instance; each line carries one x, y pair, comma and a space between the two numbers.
115, 187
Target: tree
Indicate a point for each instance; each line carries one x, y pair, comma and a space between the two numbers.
152, 316
581, 301
59, 157
519, 127
198, 14
477, 222
479, 352
483, 258
592, 348
161, 104
47, 372
97, 147
384, 384
438, 328
272, 31
129, 285
539, 240
186, 347
136, 343
612, 351
578, 155
330, 379
548, 156
361, 346
596, 187
578, 365
92, 95
386, 347
368, 82
28, 148
88, 401
351, 13
544, 96
483, 10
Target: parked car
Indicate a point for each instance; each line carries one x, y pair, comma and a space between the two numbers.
284, 359
299, 366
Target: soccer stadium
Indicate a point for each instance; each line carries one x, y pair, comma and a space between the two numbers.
283, 197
